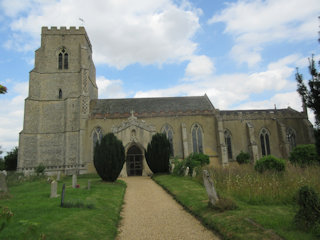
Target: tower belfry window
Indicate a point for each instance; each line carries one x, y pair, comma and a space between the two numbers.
63, 59
60, 93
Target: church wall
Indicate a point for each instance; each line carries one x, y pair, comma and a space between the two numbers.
31, 120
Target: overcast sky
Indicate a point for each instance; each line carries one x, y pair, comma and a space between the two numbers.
242, 54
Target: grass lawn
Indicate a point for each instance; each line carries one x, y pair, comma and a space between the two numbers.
246, 222
36, 214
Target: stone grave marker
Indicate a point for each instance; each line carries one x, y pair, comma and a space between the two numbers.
211, 191
3, 182
186, 171
54, 186
58, 176
194, 173
74, 181
172, 168
62, 194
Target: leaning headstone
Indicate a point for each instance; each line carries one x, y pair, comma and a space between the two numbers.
171, 168
74, 181
211, 191
5, 172
58, 176
3, 182
54, 186
194, 173
62, 194
186, 172
89, 184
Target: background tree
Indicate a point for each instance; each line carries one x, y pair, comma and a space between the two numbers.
3, 89
1, 161
109, 157
158, 153
11, 159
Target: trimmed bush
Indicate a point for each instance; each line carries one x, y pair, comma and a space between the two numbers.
308, 215
40, 169
243, 157
109, 157
270, 163
11, 160
304, 155
158, 153
195, 160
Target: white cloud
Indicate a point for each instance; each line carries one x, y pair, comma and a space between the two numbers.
199, 67
11, 115
255, 23
110, 88
122, 33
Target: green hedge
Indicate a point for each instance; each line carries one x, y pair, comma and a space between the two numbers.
303, 155
270, 163
243, 157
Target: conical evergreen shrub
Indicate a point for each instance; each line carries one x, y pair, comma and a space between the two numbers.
109, 157
158, 153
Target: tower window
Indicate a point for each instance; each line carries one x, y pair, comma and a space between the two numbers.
197, 139
265, 144
60, 93
63, 59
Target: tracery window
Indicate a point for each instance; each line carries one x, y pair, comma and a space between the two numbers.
167, 130
264, 140
291, 137
96, 136
197, 138
227, 139
63, 59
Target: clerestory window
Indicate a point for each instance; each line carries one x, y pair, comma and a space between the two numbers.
63, 59
264, 140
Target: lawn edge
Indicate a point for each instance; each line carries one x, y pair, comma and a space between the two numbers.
212, 228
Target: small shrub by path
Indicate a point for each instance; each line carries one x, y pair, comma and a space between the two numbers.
36, 215
246, 222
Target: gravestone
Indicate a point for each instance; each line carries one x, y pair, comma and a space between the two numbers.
58, 176
54, 186
194, 173
74, 181
172, 168
89, 184
3, 182
62, 194
211, 191
186, 172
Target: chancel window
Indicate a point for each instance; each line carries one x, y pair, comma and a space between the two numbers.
167, 130
96, 136
63, 59
227, 140
264, 140
197, 138
291, 137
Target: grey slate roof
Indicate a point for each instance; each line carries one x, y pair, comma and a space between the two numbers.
148, 105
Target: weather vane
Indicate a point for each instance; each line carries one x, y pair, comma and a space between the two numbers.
82, 21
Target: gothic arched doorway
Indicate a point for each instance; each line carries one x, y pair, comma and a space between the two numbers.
134, 161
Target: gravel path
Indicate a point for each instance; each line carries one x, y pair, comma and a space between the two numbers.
151, 213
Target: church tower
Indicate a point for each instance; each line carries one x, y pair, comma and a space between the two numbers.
61, 86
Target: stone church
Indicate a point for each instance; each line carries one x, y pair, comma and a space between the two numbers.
63, 118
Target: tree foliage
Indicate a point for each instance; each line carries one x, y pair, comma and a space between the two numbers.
311, 94
11, 160
3, 89
109, 157
158, 153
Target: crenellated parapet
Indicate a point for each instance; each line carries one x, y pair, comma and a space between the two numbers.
65, 31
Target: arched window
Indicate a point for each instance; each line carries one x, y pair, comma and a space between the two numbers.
291, 137
264, 140
60, 93
96, 136
63, 59
227, 140
167, 130
197, 138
